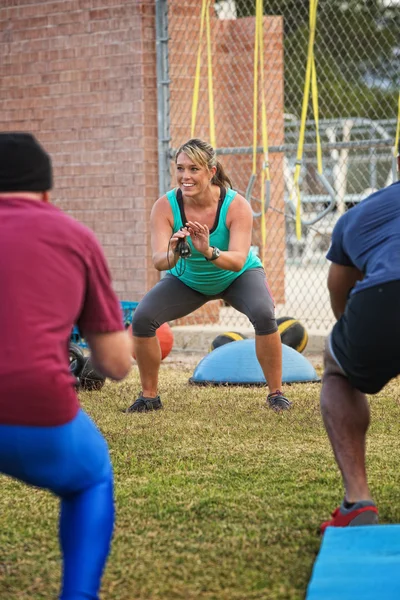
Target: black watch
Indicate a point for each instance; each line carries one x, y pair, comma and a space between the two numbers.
216, 252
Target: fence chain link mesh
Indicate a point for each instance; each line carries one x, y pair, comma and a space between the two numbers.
357, 59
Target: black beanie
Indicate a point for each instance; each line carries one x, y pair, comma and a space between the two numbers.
24, 165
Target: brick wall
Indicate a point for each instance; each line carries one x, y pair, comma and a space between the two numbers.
80, 75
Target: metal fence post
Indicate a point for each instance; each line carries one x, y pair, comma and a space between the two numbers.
163, 112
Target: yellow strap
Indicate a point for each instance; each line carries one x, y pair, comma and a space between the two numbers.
263, 224
265, 173
195, 100
255, 91
210, 78
205, 17
396, 143
259, 52
314, 92
259, 56
306, 96
263, 104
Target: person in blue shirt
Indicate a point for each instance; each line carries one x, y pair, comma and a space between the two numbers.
216, 222
362, 352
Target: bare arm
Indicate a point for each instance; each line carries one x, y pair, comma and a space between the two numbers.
340, 281
162, 244
240, 224
100, 318
111, 353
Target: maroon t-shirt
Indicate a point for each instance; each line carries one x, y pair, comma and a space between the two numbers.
53, 274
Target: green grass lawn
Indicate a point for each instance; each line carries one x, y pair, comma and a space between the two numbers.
218, 498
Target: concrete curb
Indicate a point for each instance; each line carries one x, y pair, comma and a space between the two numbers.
198, 338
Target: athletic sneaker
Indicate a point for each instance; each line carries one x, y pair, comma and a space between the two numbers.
143, 404
361, 513
278, 402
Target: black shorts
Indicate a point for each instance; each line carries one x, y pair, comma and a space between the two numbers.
365, 341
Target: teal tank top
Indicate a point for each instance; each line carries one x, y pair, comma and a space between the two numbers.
200, 274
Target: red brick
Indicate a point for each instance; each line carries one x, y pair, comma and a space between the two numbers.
87, 85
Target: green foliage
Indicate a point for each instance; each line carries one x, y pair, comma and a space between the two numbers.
354, 40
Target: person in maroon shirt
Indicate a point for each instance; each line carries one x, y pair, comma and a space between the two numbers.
53, 274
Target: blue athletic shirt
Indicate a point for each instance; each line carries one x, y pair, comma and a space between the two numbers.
368, 237
202, 275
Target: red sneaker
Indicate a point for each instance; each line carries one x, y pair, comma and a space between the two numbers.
361, 513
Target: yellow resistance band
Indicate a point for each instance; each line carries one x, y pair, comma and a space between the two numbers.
396, 142
205, 17
210, 79
265, 173
311, 77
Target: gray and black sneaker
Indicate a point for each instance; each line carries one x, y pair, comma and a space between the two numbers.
277, 401
143, 404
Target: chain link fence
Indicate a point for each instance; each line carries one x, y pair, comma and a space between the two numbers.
357, 59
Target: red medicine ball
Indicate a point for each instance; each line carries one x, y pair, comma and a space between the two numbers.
165, 337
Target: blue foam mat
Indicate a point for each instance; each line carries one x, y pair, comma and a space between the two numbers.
357, 563
236, 363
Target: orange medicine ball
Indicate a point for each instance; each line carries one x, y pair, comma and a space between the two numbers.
165, 337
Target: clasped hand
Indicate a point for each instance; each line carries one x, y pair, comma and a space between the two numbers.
199, 234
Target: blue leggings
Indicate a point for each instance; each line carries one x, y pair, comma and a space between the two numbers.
72, 461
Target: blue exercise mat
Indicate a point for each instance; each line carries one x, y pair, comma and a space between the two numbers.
236, 363
357, 563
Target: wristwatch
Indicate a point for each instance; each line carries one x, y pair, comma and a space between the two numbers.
216, 252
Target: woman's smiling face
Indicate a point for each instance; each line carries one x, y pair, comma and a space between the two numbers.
192, 178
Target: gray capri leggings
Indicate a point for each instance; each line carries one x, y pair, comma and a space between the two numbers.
171, 299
